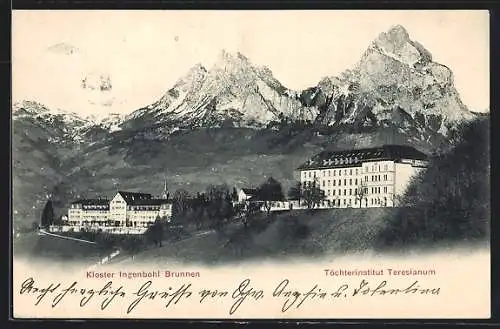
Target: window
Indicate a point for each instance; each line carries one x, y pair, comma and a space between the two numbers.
329, 183
345, 202
329, 192
385, 177
350, 191
334, 172
366, 178
333, 192
385, 167
350, 171
350, 181
329, 173
345, 181
323, 183
334, 182
345, 191
385, 189
324, 173
356, 171
340, 182
355, 181
340, 172
309, 174
345, 171
366, 169
378, 178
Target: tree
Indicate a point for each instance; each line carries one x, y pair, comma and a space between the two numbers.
251, 208
294, 193
220, 206
234, 195
361, 192
180, 203
312, 194
154, 233
270, 191
47, 214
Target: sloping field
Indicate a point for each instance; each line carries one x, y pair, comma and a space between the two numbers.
298, 233
43, 248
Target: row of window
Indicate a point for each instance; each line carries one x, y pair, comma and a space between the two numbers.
334, 182
376, 167
329, 182
144, 217
364, 202
334, 172
373, 190
151, 208
376, 178
90, 206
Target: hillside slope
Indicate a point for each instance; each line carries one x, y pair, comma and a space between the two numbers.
283, 236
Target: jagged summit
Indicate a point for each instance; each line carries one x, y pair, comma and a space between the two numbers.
395, 83
232, 92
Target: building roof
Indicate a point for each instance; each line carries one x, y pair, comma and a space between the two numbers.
354, 157
131, 197
150, 202
142, 199
249, 191
92, 202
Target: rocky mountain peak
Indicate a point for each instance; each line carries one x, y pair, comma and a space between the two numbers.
395, 83
228, 61
396, 44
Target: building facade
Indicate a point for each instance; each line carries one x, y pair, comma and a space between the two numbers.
371, 177
246, 194
125, 209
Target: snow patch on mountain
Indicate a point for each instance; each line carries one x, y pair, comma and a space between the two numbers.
395, 75
232, 91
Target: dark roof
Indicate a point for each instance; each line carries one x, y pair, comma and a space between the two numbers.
249, 191
150, 202
354, 157
91, 202
131, 197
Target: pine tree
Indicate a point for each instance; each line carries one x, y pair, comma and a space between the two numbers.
47, 214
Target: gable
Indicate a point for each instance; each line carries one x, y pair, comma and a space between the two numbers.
118, 197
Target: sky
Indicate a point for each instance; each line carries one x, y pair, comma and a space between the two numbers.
145, 52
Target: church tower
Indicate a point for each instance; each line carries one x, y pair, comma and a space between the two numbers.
164, 195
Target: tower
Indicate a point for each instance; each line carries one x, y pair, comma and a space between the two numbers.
164, 195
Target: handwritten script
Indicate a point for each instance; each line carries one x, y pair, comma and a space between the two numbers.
244, 293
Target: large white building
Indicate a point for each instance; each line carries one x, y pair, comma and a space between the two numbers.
125, 209
371, 177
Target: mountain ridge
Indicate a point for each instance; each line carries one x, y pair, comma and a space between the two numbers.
235, 122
